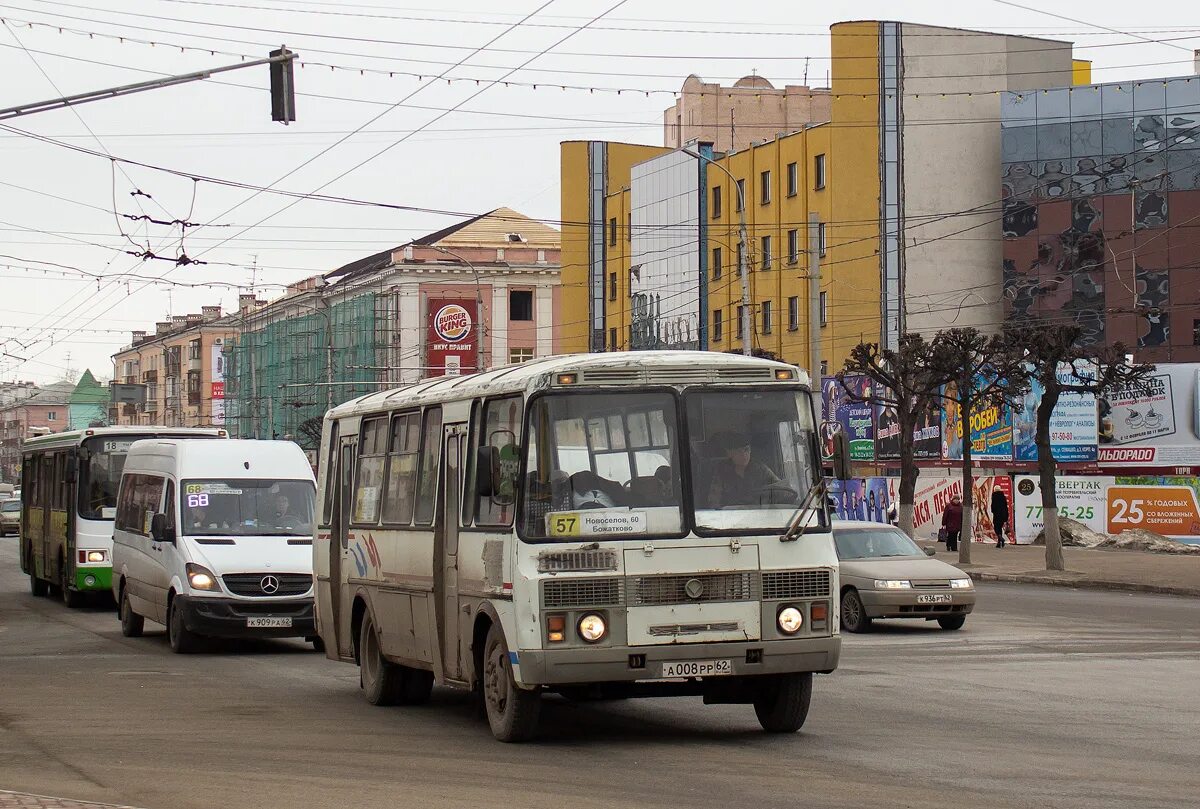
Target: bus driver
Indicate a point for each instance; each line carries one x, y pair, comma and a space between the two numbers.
738, 480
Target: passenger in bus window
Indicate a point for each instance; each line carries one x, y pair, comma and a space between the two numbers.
738, 480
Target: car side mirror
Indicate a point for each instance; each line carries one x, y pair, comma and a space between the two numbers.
160, 529
930, 552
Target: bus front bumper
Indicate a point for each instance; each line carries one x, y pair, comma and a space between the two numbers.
620, 664
237, 618
88, 579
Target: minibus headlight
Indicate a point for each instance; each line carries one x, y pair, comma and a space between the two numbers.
790, 620
200, 577
592, 628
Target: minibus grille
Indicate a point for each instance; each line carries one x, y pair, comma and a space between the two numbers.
267, 584
795, 584
686, 589
567, 593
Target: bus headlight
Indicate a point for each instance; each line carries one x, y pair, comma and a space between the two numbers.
200, 577
592, 628
97, 556
790, 620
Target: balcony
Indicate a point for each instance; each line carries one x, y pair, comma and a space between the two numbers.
150, 377
152, 405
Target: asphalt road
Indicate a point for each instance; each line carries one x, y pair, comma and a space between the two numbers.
1048, 698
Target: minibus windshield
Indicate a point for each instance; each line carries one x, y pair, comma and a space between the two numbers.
245, 507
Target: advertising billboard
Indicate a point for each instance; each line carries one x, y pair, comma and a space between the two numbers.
1074, 428
1153, 423
217, 382
1080, 498
933, 494
854, 417
991, 430
451, 342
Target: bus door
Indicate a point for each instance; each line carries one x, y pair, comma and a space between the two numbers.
445, 558
339, 544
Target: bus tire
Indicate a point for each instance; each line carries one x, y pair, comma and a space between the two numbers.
782, 706
71, 598
182, 640
511, 711
132, 624
38, 587
417, 686
381, 680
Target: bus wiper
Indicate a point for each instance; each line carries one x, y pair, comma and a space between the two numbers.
797, 524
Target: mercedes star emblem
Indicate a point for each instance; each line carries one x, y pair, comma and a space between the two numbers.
694, 588
269, 584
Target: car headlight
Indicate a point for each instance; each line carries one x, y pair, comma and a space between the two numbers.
892, 584
200, 577
592, 628
790, 620
960, 584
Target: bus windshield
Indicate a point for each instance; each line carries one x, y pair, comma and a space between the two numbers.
752, 457
100, 469
244, 507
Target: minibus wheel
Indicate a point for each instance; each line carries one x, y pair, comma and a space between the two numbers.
382, 681
782, 706
132, 624
512, 712
183, 641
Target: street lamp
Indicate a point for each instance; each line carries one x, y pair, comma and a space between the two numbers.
481, 359
743, 253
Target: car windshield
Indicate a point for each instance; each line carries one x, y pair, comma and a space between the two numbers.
244, 507
873, 543
602, 464
11, 505
752, 456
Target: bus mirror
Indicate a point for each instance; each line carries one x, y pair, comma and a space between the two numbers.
841, 455
72, 468
160, 529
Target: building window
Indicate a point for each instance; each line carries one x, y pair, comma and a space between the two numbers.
520, 304
740, 255
741, 311
741, 194
718, 326
824, 309
766, 252
718, 260
764, 187
793, 246
194, 350
516, 356
612, 231
612, 286
766, 317
824, 368
819, 172
793, 179
821, 239
612, 339
793, 313
52, 415
716, 202
1196, 332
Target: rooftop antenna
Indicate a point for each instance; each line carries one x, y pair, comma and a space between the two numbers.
806, 58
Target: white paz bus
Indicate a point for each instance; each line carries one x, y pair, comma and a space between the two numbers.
632, 524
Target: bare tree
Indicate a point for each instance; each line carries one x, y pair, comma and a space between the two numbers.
309, 433
983, 374
907, 383
1052, 360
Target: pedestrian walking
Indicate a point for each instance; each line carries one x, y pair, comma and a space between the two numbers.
952, 522
999, 515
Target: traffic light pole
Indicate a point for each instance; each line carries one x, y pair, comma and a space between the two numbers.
283, 107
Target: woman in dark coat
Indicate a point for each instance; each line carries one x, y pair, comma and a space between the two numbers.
999, 515
952, 522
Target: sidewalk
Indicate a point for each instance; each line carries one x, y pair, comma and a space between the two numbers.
1096, 569
22, 800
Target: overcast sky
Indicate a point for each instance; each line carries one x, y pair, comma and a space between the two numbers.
67, 212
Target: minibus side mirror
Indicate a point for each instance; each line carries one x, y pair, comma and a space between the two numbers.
160, 529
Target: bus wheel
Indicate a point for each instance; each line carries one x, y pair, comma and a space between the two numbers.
38, 587
382, 681
417, 687
72, 598
132, 624
183, 640
511, 711
782, 706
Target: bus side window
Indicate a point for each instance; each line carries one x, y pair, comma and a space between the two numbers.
368, 480
400, 489
327, 470
501, 438
431, 456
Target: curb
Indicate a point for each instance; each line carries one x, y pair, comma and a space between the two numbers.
1086, 584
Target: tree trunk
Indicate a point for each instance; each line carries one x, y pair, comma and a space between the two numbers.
968, 476
1046, 476
906, 417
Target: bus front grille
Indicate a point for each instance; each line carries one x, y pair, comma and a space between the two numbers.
566, 593
795, 584
577, 560
688, 589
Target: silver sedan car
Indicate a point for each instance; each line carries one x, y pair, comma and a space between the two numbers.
885, 574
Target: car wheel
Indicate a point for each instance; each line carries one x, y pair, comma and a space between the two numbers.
782, 707
854, 614
952, 622
317, 644
381, 680
132, 624
512, 712
183, 640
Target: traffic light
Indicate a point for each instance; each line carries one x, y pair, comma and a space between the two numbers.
283, 87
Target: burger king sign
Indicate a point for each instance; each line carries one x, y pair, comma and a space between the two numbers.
450, 347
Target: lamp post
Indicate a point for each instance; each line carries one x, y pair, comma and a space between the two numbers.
743, 253
481, 359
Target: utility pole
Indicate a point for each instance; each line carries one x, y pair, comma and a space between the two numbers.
814, 298
743, 251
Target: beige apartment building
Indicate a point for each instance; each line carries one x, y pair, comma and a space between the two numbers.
177, 373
